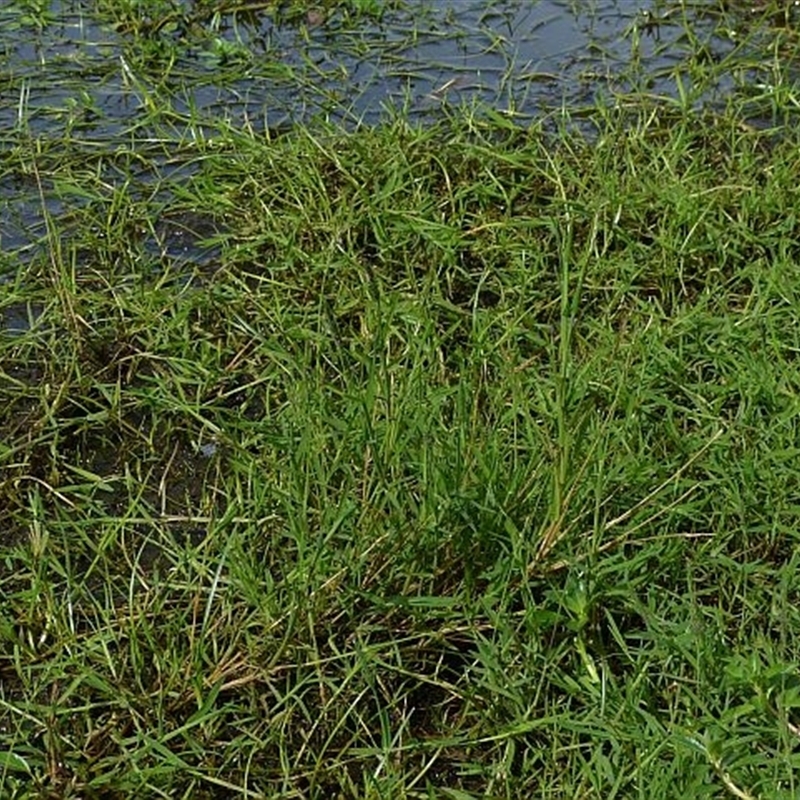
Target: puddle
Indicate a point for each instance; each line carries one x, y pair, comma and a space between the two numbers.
18, 319
185, 236
518, 57
73, 79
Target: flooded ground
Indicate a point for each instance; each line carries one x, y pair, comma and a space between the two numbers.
92, 77
91, 71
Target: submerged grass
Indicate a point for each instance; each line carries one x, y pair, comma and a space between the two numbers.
465, 467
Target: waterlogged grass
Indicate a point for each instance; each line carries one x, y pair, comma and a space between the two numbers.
95, 70
464, 466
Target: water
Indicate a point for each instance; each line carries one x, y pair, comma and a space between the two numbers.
69, 75
519, 56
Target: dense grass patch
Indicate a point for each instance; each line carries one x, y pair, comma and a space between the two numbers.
464, 466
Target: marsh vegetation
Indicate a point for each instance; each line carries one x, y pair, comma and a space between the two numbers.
430, 458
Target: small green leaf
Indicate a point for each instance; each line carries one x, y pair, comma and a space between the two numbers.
12, 762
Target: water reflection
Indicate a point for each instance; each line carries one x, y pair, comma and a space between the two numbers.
518, 56
75, 81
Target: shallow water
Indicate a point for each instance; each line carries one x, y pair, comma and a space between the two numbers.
518, 56
69, 75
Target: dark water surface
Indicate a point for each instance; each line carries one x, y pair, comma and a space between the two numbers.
516, 55
73, 74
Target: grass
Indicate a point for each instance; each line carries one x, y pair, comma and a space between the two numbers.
465, 470
453, 461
